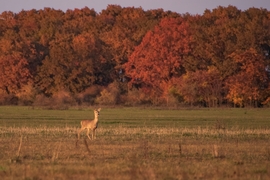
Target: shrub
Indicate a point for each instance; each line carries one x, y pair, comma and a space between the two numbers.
8, 99
109, 95
26, 95
60, 100
137, 97
42, 100
88, 96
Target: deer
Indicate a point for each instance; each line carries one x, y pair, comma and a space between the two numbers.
90, 125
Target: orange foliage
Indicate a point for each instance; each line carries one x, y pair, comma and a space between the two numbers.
200, 59
159, 56
14, 72
202, 86
248, 84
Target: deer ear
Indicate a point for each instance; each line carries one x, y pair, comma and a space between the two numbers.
99, 109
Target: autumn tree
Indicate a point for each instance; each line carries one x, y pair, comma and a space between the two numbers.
14, 73
73, 64
214, 39
78, 21
122, 29
195, 58
158, 59
248, 85
204, 87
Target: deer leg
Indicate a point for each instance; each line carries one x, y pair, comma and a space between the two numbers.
88, 133
94, 134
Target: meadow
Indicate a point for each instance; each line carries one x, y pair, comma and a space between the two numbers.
135, 143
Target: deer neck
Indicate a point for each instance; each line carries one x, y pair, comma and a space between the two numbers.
96, 119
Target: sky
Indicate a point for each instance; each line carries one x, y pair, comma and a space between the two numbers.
179, 6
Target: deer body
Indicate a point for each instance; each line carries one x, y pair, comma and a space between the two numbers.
90, 125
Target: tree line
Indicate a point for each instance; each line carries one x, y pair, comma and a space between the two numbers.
129, 56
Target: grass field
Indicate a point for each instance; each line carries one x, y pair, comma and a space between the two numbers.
135, 143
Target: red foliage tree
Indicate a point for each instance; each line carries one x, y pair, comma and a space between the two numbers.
158, 59
249, 84
14, 72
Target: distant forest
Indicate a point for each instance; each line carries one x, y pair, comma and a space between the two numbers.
130, 57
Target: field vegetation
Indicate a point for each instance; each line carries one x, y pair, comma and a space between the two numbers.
135, 143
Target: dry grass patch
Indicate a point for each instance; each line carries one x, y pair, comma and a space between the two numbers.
135, 143
141, 153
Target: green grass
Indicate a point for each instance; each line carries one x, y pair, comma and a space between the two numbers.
133, 117
135, 143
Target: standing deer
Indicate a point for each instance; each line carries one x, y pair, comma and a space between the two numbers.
90, 125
